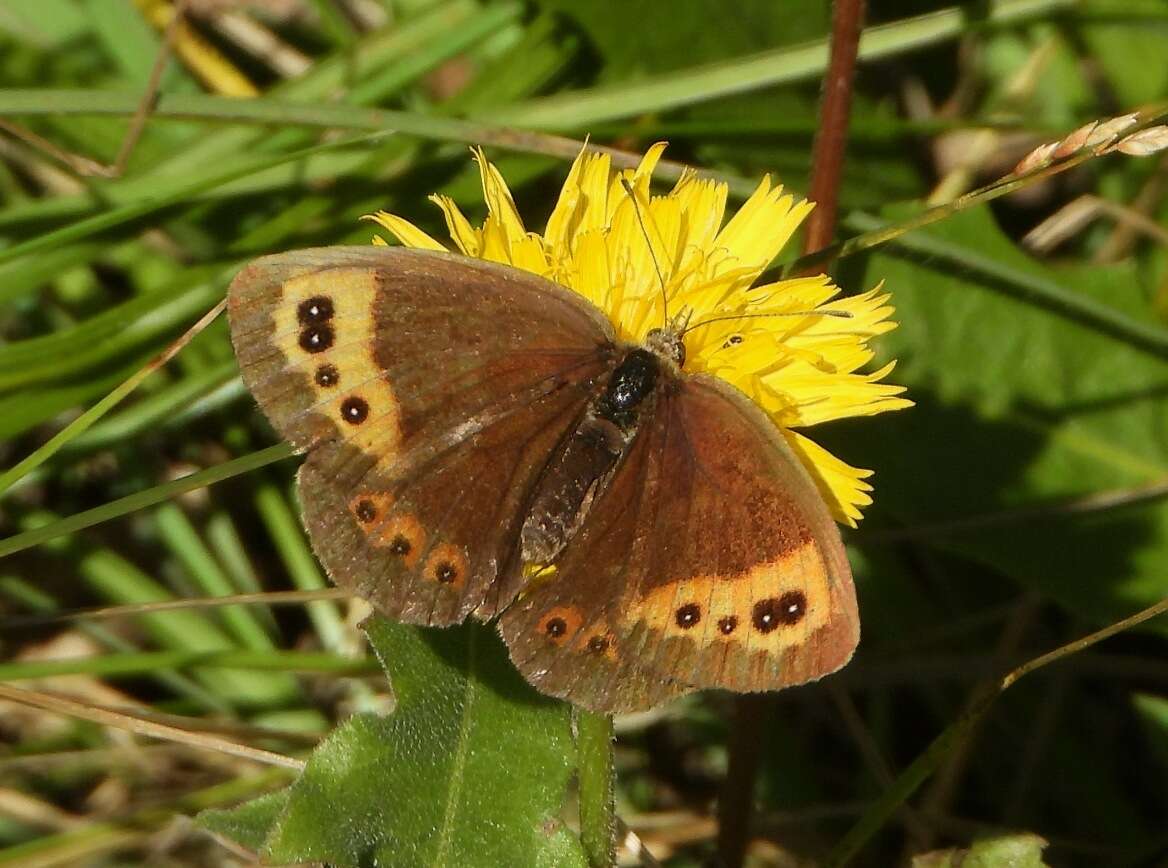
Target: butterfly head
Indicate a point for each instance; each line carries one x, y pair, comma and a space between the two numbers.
667, 343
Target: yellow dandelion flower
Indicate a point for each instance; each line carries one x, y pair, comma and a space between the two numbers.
802, 370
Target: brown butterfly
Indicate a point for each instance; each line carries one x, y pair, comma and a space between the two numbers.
480, 444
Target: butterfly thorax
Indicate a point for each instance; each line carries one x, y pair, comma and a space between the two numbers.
591, 453
667, 344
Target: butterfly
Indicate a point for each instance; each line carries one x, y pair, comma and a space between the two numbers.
480, 444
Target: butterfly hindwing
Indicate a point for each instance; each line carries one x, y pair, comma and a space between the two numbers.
429, 390
710, 560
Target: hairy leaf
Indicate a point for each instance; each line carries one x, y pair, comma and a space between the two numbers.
469, 769
1011, 851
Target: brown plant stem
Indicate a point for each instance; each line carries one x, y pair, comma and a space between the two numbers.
847, 21
145, 726
153, 86
736, 805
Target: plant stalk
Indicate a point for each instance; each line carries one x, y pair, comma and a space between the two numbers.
594, 741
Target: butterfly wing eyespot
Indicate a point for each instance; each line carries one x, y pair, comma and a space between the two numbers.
786, 610
402, 536
447, 565
560, 624
327, 376
317, 338
711, 560
598, 644
354, 410
370, 506
314, 310
428, 391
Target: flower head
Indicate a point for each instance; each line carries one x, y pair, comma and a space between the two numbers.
641, 261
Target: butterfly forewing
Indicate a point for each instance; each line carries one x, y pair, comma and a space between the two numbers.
709, 561
430, 390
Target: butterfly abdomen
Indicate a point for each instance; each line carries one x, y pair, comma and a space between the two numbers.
577, 474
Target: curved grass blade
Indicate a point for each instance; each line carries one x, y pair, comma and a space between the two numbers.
121, 215
142, 499
146, 662
83, 422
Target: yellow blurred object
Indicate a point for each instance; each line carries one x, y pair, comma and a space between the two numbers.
199, 56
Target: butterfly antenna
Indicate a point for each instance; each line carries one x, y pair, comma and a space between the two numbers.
838, 314
649, 243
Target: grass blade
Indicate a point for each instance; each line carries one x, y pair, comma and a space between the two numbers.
142, 499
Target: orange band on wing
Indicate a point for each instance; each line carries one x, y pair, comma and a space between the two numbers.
325, 327
772, 605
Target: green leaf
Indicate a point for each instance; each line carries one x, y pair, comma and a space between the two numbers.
1152, 711
249, 823
1018, 407
470, 769
560, 849
1011, 851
